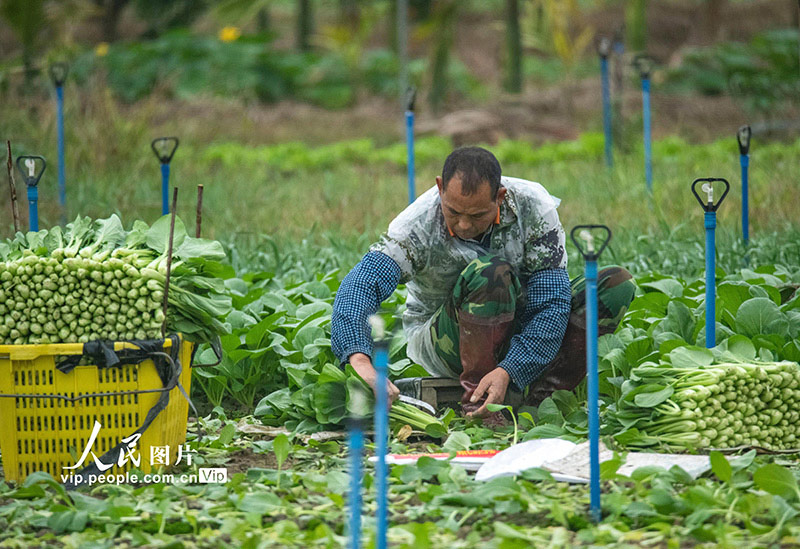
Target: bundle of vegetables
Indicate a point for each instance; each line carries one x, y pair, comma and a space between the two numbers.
722, 405
329, 397
95, 280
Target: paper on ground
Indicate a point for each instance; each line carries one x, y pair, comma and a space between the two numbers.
525, 455
577, 462
569, 462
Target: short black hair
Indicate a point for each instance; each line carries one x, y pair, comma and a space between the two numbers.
474, 165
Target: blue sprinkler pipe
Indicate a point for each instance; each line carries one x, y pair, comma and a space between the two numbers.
603, 49
356, 443
411, 96
381, 364
743, 138
165, 188
590, 254
644, 64
58, 74
381, 444
710, 208
164, 149
31, 177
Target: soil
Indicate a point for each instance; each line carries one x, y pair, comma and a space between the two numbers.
241, 461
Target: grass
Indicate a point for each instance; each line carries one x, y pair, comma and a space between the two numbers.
110, 168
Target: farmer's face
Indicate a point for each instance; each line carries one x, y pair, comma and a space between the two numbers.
469, 216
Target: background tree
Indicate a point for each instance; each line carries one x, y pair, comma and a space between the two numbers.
442, 26
349, 13
240, 12
110, 11
305, 24
636, 25
514, 45
163, 15
27, 19
712, 18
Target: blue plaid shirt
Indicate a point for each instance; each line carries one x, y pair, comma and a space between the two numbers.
376, 276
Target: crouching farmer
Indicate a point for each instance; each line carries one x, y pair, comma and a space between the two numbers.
489, 299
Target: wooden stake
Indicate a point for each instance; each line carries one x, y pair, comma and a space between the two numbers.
169, 259
13, 189
199, 210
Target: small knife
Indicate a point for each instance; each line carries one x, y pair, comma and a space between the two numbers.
418, 403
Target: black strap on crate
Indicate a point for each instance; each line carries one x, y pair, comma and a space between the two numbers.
103, 355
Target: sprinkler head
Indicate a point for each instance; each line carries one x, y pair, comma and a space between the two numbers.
591, 235
603, 47
707, 187
58, 73
411, 98
589, 239
378, 327
644, 64
164, 148
27, 166
743, 137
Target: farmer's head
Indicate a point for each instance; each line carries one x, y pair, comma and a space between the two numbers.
470, 191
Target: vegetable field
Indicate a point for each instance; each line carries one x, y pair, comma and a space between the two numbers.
300, 130
274, 413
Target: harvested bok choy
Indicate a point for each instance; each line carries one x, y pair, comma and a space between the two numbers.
95, 280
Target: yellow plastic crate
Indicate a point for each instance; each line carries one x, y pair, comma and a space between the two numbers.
48, 434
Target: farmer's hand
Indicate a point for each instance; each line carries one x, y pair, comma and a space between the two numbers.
494, 386
362, 364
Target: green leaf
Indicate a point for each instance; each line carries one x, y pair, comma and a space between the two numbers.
739, 346
548, 413
359, 398
260, 503
305, 311
653, 302
331, 373
281, 447
256, 333
668, 286
653, 398
330, 402
638, 350
791, 351
199, 247
109, 234
59, 521
731, 295
761, 316
609, 467
457, 442
497, 407
226, 434
307, 335
436, 430
691, 357
776, 480
280, 399
629, 436
744, 461
158, 234
720, 466
566, 401
680, 320
545, 431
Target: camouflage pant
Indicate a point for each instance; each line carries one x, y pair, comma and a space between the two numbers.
488, 287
